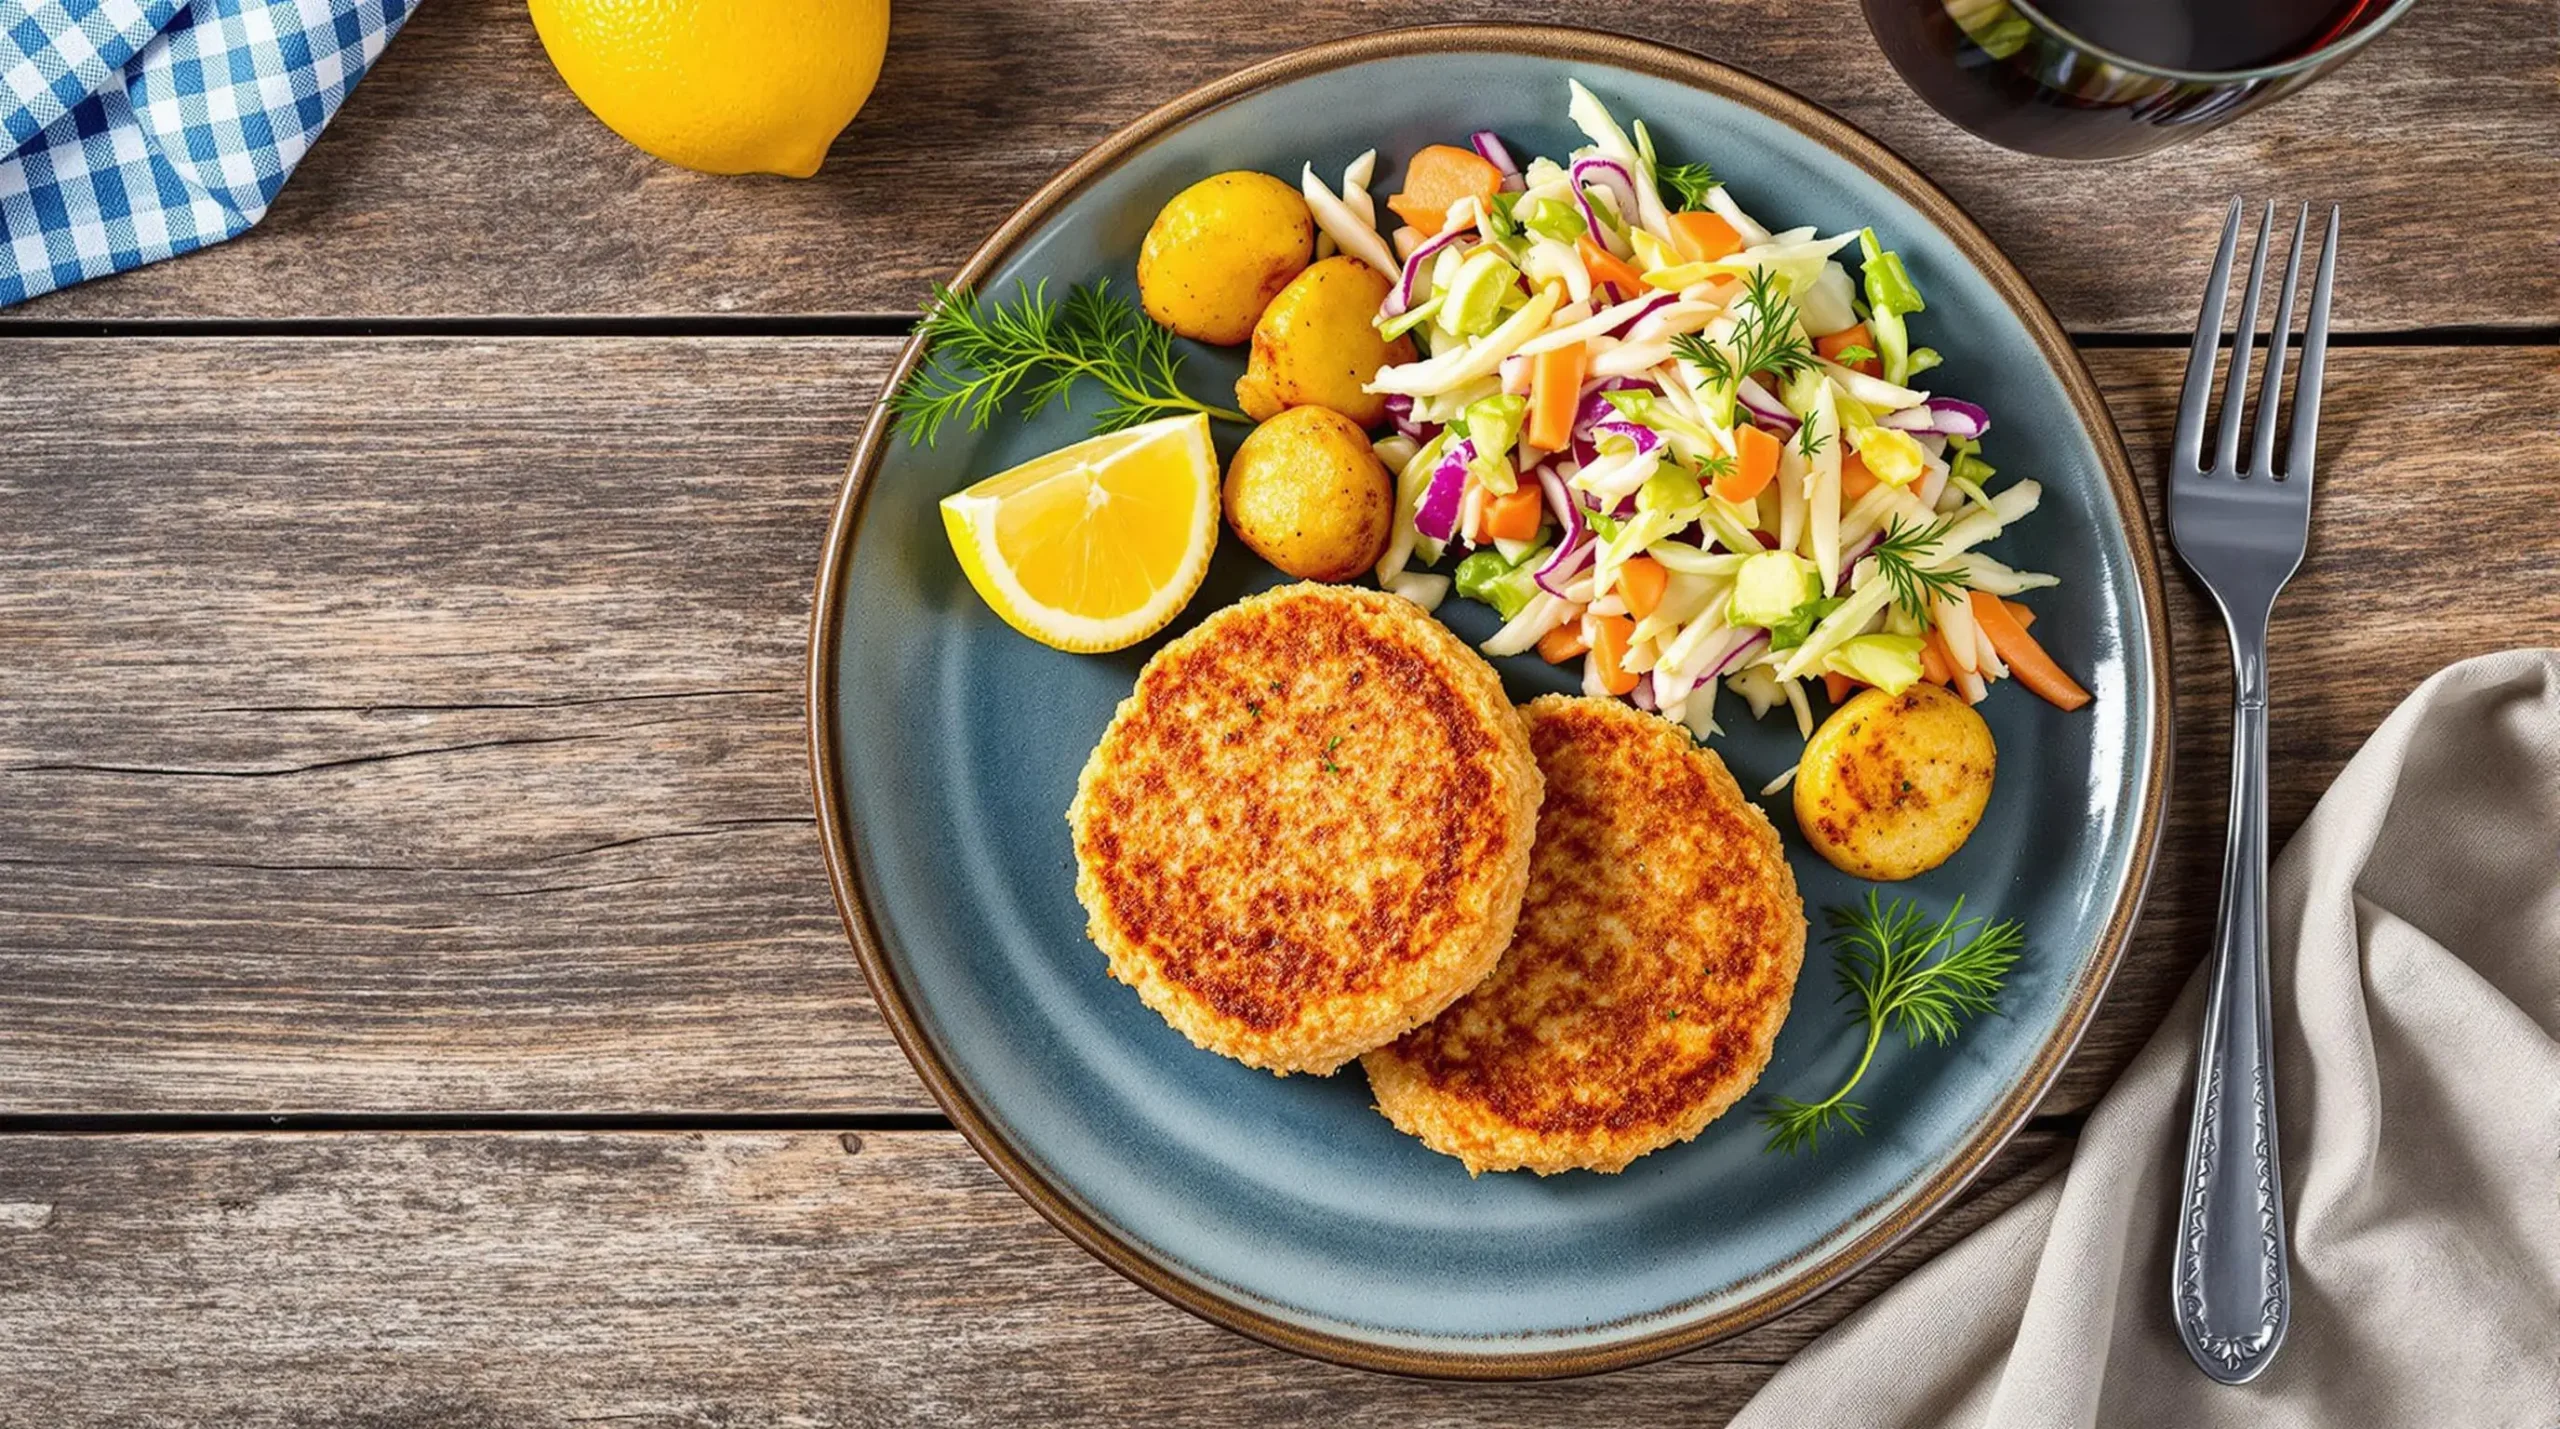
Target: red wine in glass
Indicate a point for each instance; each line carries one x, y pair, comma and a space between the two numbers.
2098, 79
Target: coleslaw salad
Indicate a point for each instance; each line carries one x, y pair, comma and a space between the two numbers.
1674, 444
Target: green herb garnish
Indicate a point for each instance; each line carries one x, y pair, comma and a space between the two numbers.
1767, 339
1809, 443
1685, 185
1917, 589
979, 354
1798, 626
1854, 354
1901, 971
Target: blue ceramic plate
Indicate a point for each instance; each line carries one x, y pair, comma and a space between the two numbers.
946, 749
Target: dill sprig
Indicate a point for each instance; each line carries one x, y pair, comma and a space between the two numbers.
1901, 971
1686, 185
980, 354
1683, 185
1917, 589
1766, 338
1809, 443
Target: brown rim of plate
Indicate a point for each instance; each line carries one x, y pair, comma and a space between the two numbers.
1880, 164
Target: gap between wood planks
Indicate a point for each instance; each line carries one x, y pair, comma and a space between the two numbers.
899, 324
2064, 1124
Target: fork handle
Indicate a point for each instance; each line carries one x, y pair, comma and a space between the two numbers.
2232, 1286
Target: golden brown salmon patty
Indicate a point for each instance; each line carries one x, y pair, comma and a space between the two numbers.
1307, 830
1655, 959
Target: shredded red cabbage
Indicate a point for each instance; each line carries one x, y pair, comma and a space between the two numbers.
1947, 416
1734, 657
1408, 288
1489, 145
1400, 416
1611, 175
1438, 516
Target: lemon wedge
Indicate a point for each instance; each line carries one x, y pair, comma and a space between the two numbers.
1094, 546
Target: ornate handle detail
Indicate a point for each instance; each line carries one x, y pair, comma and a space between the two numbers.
2232, 1286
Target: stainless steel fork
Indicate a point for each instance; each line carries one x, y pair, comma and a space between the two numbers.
2242, 530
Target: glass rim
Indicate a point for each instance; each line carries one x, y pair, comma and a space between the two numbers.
2335, 50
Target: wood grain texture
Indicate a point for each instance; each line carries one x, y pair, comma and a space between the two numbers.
423, 735
417, 724
659, 1281
463, 178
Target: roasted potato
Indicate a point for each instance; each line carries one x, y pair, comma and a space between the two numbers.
1317, 346
1892, 785
1220, 250
1307, 494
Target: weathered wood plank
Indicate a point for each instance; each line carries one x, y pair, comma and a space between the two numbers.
422, 730
2428, 545
757, 1281
424, 735
464, 178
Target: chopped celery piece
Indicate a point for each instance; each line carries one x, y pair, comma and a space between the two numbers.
1411, 318
1789, 633
1891, 663
1889, 284
1483, 576
1729, 527
1893, 343
1474, 296
1968, 466
1556, 219
1890, 295
1669, 489
1922, 359
1493, 424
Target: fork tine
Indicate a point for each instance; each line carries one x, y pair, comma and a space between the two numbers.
2235, 393
2188, 444
2315, 352
2262, 443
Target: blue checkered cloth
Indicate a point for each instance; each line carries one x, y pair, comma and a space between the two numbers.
131, 130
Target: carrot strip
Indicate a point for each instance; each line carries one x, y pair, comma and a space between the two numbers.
2020, 614
1936, 665
1514, 517
1436, 177
2026, 659
1703, 237
1555, 391
1839, 342
1755, 462
1610, 636
1640, 584
1607, 267
1562, 643
1855, 479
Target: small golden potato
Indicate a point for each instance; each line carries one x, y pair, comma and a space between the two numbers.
1219, 250
1309, 496
1317, 345
1892, 785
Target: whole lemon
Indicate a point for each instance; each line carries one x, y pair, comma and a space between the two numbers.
724, 86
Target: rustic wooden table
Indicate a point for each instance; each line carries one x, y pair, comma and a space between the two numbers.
420, 1001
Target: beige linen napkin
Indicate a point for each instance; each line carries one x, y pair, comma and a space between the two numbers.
2416, 924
